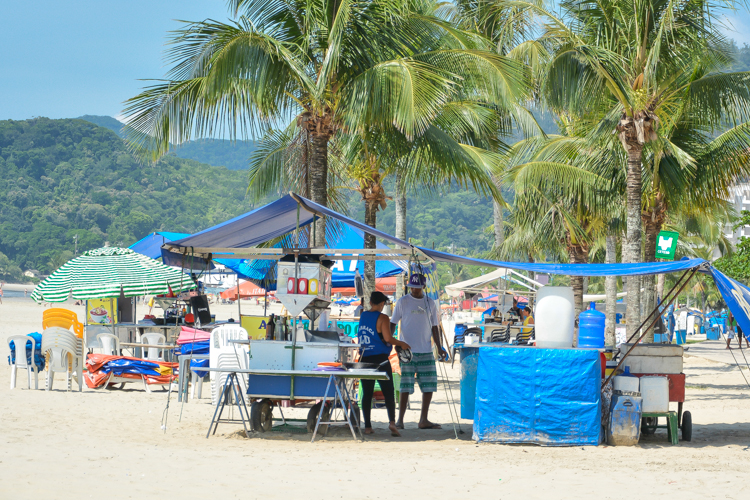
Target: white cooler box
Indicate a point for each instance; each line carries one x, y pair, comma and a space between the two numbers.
653, 358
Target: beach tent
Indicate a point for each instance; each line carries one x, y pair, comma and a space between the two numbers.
247, 289
480, 283
385, 285
104, 272
241, 237
150, 245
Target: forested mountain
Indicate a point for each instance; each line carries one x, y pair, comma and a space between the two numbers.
222, 153
62, 178
65, 178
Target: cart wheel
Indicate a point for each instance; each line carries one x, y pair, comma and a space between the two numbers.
261, 415
312, 418
648, 425
687, 426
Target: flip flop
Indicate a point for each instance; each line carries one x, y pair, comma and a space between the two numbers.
432, 426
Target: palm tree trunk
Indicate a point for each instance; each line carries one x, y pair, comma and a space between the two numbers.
319, 181
632, 247
648, 282
660, 281
400, 226
371, 219
498, 223
610, 288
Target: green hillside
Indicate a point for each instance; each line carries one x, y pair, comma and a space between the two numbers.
231, 154
62, 178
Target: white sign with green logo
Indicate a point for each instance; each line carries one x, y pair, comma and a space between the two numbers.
666, 244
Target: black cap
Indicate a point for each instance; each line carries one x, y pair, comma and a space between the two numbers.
378, 298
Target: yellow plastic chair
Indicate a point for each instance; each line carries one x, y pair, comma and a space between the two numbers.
63, 318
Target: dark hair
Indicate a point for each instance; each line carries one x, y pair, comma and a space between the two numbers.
378, 298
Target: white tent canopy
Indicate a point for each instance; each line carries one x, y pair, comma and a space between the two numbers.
488, 283
482, 283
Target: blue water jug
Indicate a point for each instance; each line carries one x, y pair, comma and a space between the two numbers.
591, 328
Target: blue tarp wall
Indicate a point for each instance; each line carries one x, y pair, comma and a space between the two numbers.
549, 397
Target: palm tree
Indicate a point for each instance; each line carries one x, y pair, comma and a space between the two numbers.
326, 66
630, 67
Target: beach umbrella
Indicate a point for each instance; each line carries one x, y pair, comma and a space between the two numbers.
102, 273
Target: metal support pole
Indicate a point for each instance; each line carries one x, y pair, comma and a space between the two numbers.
239, 306
672, 299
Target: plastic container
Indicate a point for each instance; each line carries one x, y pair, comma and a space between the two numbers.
625, 418
312, 287
626, 382
555, 317
591, 328
302, 286
291, 285
655, 393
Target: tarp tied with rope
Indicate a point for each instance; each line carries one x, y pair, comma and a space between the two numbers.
284, 215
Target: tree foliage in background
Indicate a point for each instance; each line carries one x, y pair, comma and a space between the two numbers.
737, 265
65, 178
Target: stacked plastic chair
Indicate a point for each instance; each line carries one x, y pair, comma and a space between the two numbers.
499, 334
64, 352
63, 318
226, 354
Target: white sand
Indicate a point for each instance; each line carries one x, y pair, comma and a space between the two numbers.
109, 444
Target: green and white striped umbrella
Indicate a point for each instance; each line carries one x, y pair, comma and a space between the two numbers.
101, 273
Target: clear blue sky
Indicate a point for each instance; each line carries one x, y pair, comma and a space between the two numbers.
63, 59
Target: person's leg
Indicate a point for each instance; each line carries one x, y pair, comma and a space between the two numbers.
368, 387
386, 386
427, 379
408, 371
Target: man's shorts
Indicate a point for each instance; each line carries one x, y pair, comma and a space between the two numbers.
423, 365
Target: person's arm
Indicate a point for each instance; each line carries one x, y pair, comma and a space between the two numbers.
436, 332
386, 329
395, 318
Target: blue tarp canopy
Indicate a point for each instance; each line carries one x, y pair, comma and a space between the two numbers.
150, 246
280, 218
644, 268
343, 271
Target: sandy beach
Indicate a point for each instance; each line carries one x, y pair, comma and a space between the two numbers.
64, 445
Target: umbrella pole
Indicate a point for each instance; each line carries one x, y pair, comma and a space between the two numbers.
239, 306
265, 303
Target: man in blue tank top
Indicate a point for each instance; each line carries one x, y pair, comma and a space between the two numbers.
374, 335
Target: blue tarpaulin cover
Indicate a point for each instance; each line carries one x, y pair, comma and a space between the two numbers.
736, 295
150, 246
541, 396
263, 272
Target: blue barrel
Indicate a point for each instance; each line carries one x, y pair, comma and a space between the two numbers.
469, 361
591, 328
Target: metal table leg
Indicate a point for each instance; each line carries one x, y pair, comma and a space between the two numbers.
230, 387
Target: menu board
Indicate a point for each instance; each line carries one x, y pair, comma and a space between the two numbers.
101, 312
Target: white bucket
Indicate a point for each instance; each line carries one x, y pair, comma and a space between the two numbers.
622, 383
655, 393
554, 317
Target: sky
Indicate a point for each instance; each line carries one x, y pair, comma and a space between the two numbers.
67, 59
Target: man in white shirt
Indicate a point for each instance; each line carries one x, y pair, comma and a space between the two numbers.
419, 324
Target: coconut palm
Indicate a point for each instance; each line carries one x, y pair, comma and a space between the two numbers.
632, 68
323, 67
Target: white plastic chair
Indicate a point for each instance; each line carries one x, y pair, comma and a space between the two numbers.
65, 354
19, 343
152, 353
225, 354
110, 344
